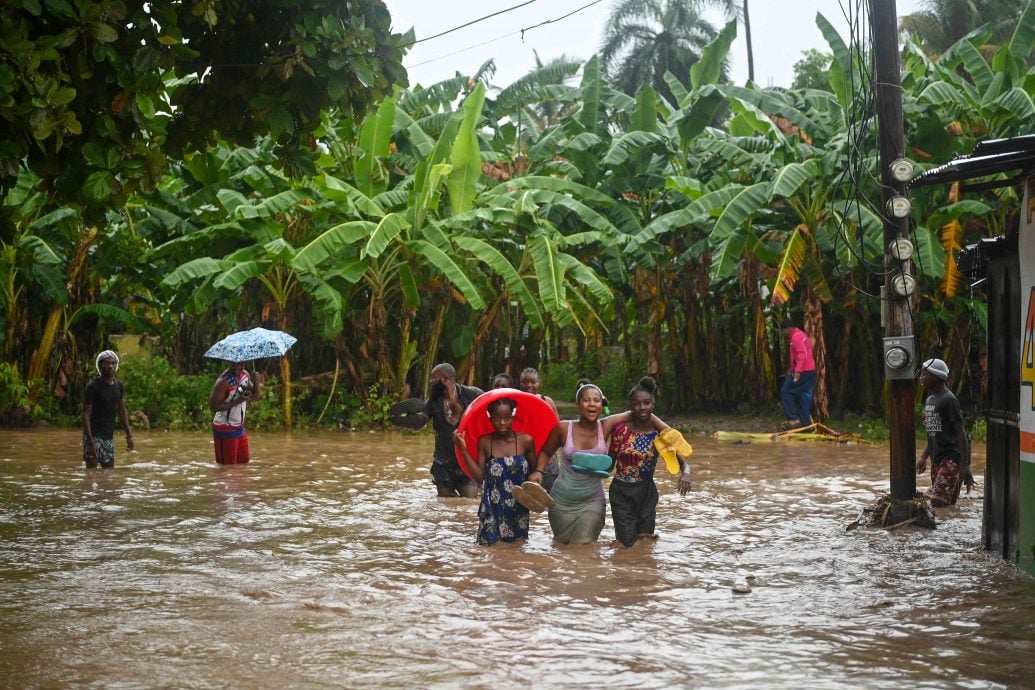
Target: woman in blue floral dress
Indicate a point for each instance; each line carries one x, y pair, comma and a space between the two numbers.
502, 464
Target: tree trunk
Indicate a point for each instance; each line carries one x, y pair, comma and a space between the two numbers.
623, 322
285, 375
760, 367
486, 320
814, 329
430, 357
285, 372
844, 358
407, 353
763, 358
648, 302
11, 306
654, 347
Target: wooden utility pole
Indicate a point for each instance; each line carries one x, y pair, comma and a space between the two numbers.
747, 39
897, 317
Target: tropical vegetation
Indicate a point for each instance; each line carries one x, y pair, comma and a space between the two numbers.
570, 224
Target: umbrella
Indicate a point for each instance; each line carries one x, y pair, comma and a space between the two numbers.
254, 344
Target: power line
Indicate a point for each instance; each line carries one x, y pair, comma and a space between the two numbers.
551, 21
462, 26
498, 38
464, 50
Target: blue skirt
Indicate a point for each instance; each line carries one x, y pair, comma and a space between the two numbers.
500, 517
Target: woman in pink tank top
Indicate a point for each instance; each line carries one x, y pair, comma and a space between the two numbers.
577, 516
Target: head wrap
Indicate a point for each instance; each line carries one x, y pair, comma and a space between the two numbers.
107, 354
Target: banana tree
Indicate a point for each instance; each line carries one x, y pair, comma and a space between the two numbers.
43, 278
952, 103
798, 220
397, 243
615, 147
268, 262
538, 234
703, 172
28, 259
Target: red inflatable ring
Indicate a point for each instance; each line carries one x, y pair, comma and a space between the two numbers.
532, 415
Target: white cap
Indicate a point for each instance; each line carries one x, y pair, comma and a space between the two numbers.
107, 354
936, 367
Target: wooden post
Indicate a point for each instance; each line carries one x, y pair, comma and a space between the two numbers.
898, 320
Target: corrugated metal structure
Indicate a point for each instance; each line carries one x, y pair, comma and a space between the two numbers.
1006, 268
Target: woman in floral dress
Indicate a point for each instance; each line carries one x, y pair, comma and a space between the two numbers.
502, 464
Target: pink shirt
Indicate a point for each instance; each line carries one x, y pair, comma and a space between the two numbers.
801, 351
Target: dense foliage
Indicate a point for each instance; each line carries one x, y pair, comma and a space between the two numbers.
96, 93
568, 226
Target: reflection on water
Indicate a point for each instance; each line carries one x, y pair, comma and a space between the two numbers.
328, 562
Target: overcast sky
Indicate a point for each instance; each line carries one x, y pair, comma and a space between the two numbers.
781, 31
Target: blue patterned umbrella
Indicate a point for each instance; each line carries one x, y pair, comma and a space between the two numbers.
254, 344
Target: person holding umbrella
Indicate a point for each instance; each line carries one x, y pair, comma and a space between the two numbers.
235, 387
229, 401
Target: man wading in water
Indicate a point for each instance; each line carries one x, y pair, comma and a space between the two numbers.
444, 408
947, 444
104, 397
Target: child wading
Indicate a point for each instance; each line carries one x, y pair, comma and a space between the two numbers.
503, 462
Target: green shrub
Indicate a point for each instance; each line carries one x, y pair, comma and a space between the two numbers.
169, 400
875, 430
339, 411
267, 413
979, 432
373, 411
16, 406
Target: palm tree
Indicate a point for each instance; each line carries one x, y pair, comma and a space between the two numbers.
941, 23
644, 39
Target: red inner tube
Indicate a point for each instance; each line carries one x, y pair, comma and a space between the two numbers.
532, 415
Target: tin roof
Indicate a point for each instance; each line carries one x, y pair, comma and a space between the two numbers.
1015, 154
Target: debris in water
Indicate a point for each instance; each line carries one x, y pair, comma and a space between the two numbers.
812, 432
889, 513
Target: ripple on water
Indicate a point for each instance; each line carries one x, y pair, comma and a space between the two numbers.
329, 561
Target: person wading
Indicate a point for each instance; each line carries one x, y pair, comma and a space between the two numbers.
104, 397
947, 444
444, 407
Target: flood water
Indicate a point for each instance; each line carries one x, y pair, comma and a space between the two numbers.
329, 563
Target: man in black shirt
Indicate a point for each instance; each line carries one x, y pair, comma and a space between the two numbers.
947, 444
444, 408
104, 396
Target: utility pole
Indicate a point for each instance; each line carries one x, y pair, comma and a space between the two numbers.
747, 39
900, 358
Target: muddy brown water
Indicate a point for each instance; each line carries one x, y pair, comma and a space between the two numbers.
328, 562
